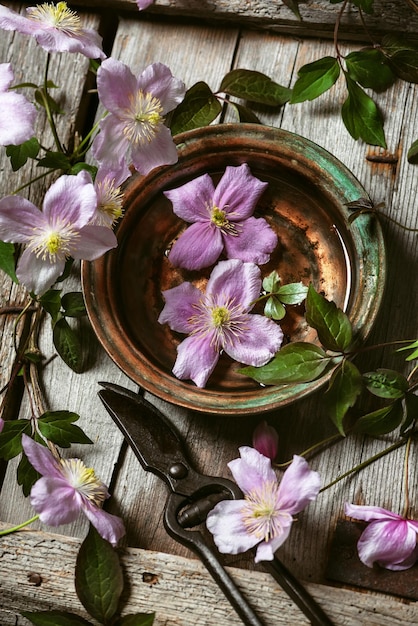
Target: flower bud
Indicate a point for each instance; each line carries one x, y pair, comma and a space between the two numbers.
265, 440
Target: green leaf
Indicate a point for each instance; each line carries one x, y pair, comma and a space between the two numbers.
73, 304
271, 283
293, 5
370, 69
199, 108
344, 388
411, 346
365, 5
98, 577
380, 422
255, 87
55, 161
8, 260
244, 113
314, 79
297, 362
361, 116
413, 153
386, 383
55, 618
26, 475
82, 166
274, 309
68, 345
411, 411
292, 293
57, 426
51, 302
41, 96
20, 154
403, 56
137, 619
331, 323
11, 438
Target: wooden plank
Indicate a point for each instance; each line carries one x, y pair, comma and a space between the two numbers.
182, 594
318, 17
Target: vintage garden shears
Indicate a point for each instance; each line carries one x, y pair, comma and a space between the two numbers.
160, 450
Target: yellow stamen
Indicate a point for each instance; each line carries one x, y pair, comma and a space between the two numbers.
58, 16
143, 118
220, 316
219, 219
84, 480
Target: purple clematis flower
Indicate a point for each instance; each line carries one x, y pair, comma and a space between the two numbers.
221, 220
17, 115
264, 516
60, 231
143, 4
220, 320
389, 540
55, 27
109, 208
68, 487
134, 129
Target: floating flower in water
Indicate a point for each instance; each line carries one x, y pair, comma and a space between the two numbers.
221, 220
220, 320
264, 516
265, 440
68, 487
134, 129
55, 27
389, 540
60, 231
17, 115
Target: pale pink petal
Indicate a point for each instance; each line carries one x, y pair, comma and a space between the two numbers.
180, 306
158, 80
160, 151
110, 527
71, 199
143, 4
252, 470
55, 501
388, 543
236, 282
37, 275
92, 242
196, 359
87, 42
266, 549
10, 20
226, 524
197, 247
18, 219
193, 201
266, 440
259, 342
116, 84
369, 513
255, 243
238, 192
110, 146
17, 119
40, 458
6, 76
1, 424
299, 486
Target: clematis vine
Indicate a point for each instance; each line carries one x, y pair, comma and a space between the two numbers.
66, 488
389, 540
55, 27
220, 319
221, 220
134, 130
17, 115
264, 516
60, 231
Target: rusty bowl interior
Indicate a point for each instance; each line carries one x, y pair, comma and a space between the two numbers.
305, 203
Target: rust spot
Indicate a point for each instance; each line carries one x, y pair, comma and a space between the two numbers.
150, 579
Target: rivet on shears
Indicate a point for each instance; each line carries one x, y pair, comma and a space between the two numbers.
178, 470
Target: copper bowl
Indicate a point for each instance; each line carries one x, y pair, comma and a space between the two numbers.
305, 203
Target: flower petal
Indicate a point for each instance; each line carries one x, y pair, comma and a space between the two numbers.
158, 80
40, 458
110, 527
17, 119
38, 275
259, 342
179, 307
370, 513
110, 146
18, 219
70, 200
6, 76
266, 549
299, 486
388, 543
226, 524
196, 359
193, 200
238, 192
55, 501
92, 242
115, 84
255, 242
236, 282
160, 151
199, 246
252, 470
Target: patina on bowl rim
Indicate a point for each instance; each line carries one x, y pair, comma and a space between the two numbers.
227, 142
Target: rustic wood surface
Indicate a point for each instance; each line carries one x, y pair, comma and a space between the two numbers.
198, 50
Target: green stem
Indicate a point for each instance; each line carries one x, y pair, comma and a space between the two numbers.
9, 531
311, 449
33, 180
391, 219
49, 115
361, 466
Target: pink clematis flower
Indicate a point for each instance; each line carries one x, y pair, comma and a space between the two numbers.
134, 130
109, 208
264, 516
220, 320
68, 487
389, 540
221, 220
60, 231
265, 440
56, 28
143, 4
17, 115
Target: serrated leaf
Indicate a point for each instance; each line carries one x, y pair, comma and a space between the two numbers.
331, 323
20, 154
254, 87
274, 309
413, 153
297, 362
73, 304
314, 79
345, 386
199, 108
57, 426
51, 302
11, 438
244, 113
403, 55
7, 259
26, 475
271, 283
370, 69
55, 618
386, 383
55, 161
98, 577
137, 619
361, 116
381, 421
68, 345
292, 293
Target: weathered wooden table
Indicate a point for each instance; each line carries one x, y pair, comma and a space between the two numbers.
203, 41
